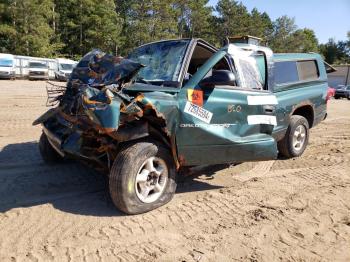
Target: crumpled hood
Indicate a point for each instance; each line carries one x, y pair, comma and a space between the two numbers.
96, 95
93, 86
98, 69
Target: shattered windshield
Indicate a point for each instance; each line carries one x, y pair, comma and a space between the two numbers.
162, 60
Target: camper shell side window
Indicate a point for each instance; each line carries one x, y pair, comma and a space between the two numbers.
288, 72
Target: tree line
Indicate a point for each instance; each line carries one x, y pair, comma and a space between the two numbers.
71, 28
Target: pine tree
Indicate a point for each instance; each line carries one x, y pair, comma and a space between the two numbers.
27, 27
287, 38
233, 19
281, 39
194, 18
147, 21
303, 41
336, 52
87, 24
260, 24
7, 27
73, 27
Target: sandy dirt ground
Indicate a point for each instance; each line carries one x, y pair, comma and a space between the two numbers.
283, 210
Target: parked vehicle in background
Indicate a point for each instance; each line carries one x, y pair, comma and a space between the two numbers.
342, 92
182, 103
38, 70
23, 68
64, 69
7, 66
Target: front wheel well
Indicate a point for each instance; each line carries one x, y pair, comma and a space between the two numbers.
307, 112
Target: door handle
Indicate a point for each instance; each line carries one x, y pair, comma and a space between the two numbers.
269, 109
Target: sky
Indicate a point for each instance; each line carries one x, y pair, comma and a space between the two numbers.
329, 19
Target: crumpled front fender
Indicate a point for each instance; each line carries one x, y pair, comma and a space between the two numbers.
102, 107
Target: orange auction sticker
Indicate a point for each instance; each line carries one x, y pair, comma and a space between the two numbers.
195, 96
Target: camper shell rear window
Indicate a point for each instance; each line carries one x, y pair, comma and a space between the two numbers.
295, 71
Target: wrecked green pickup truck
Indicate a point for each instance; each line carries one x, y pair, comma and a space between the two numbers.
181, 103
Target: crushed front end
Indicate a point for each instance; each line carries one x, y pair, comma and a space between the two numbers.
93, 115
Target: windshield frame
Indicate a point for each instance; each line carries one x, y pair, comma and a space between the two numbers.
175, 82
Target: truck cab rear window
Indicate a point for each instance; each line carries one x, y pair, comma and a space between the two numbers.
295, 71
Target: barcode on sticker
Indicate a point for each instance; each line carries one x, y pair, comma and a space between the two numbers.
198, 112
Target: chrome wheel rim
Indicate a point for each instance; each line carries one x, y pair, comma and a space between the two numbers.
299, 137
151, 179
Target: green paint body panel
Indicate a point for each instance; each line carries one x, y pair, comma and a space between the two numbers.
228, 137
105, 115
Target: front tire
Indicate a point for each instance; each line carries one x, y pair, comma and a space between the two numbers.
142, 178
296, 139
47, 152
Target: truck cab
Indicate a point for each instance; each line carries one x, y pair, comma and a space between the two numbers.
7, 66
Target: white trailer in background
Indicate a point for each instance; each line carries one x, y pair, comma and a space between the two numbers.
22, 66
12, 66
7, 66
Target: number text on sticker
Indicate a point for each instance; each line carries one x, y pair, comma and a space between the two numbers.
198, 112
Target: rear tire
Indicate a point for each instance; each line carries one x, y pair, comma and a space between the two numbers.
336, 97
296, 139
142, 177
47, 152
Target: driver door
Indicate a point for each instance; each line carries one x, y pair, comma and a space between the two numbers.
224, 124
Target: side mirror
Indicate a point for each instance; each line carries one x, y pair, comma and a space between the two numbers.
218, 77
